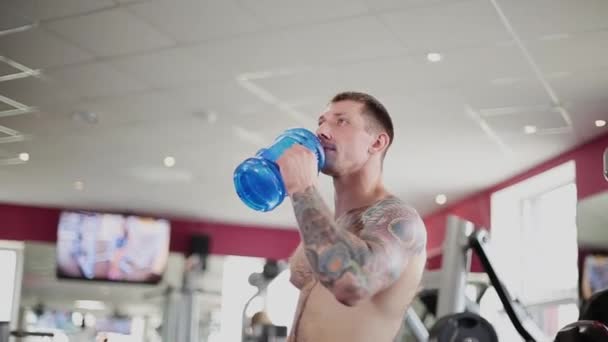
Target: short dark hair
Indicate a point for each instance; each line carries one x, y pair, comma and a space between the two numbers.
372, 108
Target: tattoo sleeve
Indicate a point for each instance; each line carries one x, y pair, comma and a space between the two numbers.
356, 266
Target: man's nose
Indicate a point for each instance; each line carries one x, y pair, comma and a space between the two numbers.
323, 133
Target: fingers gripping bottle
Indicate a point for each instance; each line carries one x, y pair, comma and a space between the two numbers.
258, 180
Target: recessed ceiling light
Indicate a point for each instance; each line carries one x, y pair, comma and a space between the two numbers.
529, 129
24, 156
433, 57
79, 185
211, 117
600, 123
169, 161
441, 199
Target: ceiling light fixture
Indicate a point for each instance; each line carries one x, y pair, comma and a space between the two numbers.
24, 156
169, 161
79, 185
441, 199
211, 117
529, 129
434, 57
600, 123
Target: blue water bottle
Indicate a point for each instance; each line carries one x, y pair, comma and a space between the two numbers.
258, 180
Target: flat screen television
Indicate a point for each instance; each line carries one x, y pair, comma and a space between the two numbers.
112, 247
594, 275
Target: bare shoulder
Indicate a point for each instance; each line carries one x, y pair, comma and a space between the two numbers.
393, 221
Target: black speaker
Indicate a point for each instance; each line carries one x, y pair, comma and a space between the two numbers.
199, 246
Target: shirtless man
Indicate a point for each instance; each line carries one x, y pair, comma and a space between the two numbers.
358, 269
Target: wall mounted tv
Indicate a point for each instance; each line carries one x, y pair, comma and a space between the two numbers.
112, 247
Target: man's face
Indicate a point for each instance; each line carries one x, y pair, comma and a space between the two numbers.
346, 141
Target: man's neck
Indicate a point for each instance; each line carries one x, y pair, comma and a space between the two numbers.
357, 190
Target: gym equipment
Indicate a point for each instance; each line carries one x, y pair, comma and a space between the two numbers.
428, 297
261, 280
416, 326
258, 180
596, 308
583, 331
592, 324
456, 313
463, 327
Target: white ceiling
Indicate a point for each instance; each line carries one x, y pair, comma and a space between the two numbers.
210, 82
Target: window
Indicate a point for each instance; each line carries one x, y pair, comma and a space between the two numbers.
549, 245
534, 244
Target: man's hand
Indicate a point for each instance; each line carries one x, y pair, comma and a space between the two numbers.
298, 166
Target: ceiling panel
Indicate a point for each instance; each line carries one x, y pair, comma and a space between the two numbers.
47, 10
12, 17
37, 92
481, 66
307, 86
6, 69
195, 21
385, 5
584, 116
442, 28
582, 86
315, 86
110, 33
322, 44
514, 93
226, 98
278, 13
513, 124
3, 107
572, 53
95, 80
168, 68
539, 18
40, 49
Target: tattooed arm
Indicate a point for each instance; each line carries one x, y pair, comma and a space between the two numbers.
299, 269
356, 267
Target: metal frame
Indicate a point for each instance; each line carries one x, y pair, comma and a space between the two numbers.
461, 240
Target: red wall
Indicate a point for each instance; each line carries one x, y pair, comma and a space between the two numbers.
476, 208
40, 224
589, 181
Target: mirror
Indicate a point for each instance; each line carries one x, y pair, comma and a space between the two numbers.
606, 164
592, 222
78, 309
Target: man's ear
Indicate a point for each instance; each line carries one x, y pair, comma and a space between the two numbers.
380, 144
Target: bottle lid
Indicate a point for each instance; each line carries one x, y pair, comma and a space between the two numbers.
258, 184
